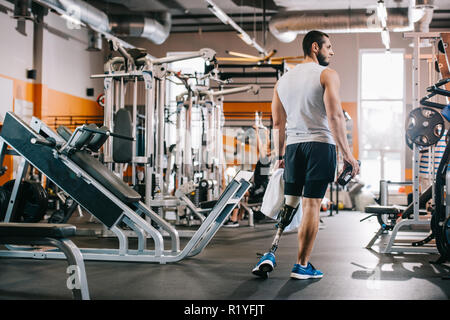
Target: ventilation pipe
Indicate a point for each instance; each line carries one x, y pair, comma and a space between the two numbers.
421, 16
422, 11
286, 25
139, 26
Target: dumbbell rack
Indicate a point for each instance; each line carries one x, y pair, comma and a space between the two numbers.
416, 37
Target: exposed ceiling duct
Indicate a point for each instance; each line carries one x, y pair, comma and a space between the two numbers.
126, 25
287, 24
141, 26
423, 14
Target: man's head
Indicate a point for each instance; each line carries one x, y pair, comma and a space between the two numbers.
317, 43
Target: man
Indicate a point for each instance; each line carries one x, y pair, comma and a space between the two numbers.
309, 122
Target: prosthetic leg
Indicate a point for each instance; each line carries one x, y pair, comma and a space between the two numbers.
286, 216
267, 261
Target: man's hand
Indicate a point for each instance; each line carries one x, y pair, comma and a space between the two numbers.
350, 160
279, 164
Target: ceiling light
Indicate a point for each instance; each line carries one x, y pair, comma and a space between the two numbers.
227, 20
218, 13
385, 38
382, 13
246, 38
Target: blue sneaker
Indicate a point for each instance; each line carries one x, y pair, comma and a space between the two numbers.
265, 265
298, 272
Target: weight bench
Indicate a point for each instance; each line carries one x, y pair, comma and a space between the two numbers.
393, 213
54, 235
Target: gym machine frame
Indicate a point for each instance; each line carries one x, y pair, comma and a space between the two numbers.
214, 106
105, 203
153, 74
391, 247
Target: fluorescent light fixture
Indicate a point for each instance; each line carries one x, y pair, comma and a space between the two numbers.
227, 20
246, 38
72, 23
218, 12
385, 38
382, 13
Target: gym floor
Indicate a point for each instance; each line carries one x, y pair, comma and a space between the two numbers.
223, 270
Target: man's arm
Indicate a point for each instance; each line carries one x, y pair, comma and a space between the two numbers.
279, 124
331, 83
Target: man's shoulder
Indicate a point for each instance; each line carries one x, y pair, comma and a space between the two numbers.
329, 73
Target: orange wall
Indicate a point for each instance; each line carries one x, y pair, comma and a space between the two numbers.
24, 91
246, 110
48, 102
352, 109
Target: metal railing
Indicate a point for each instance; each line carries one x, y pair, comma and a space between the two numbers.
72, 121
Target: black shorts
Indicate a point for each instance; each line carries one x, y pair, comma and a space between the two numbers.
309, 168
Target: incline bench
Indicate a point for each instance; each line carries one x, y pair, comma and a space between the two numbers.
54, 235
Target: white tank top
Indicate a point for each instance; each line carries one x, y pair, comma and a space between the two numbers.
301, 94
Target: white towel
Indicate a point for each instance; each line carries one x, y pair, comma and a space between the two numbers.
274, 199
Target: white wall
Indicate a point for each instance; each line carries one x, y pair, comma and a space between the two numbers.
16, 54
67, 64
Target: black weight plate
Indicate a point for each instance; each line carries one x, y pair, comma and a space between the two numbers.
31, 201
441, 46
36, 201
57, 217
446, 237
4, 200
425, 126
436, 66
409, 142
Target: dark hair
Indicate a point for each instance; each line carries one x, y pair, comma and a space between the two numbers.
310, 38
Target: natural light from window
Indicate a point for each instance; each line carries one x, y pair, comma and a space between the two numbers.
381, 116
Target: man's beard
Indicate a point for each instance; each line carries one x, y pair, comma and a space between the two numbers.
321, 59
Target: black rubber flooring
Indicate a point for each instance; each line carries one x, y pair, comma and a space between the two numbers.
223, 270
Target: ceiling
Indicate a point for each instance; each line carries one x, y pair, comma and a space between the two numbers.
250, 15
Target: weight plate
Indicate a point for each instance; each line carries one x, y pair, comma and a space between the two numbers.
446, 237
31, 201
409, 142
424, 126
4, 200
441, 46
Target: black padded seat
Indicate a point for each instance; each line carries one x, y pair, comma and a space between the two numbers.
41, 230
100, 173
105, 177
64, 132
377, 209
48, 234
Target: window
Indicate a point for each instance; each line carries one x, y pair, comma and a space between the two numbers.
381, 106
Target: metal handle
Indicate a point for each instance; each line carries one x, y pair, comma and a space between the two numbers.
108, 133
50, 142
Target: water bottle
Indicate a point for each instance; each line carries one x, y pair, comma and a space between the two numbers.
346, 175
